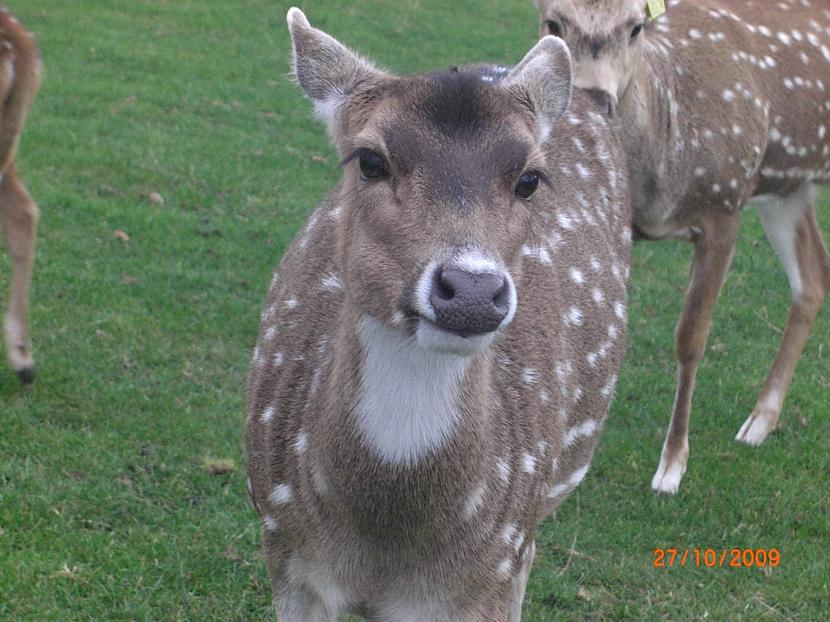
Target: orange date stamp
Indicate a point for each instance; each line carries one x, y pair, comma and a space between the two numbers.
675, 557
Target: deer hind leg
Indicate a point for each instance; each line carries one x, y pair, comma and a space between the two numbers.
517, 592
299, 604
301, 592
790, 224
714, 248
19, 218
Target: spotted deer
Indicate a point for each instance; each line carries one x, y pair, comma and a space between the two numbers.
440, 345
20, 70
719, 103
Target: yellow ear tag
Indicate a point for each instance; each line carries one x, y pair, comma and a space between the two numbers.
655, 8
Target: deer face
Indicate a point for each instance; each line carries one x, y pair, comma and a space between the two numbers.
605, 38
441, 173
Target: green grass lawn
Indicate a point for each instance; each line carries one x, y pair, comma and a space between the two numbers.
107, 509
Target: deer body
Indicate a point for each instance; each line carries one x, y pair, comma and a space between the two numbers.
20, 71
400, 470
718, 103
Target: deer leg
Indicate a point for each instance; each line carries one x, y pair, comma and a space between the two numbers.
517, 593
299, 604
19, 218
295, 600
791, 227
714, 247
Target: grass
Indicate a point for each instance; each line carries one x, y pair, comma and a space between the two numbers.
122, 493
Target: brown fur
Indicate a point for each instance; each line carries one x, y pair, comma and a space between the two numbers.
719, 101
20, 71
346, 530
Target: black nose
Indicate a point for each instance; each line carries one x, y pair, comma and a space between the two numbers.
605, 101
469, 304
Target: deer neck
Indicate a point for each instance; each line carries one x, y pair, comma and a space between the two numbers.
650, 123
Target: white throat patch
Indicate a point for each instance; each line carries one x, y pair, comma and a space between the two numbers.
406, 408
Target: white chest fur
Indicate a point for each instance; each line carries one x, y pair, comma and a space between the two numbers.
407, 407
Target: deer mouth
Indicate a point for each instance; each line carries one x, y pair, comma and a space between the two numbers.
429, 335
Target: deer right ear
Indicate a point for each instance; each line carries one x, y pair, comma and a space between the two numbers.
544, 81
325, 68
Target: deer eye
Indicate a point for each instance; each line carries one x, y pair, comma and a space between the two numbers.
554, 27
372, 165
635, 32
527, 184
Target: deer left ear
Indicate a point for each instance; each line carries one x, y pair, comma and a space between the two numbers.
544, 80
326, 69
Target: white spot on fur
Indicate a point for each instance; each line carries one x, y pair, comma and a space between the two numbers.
577, 476
282, 494
332, 281
572, 482
474, 501
318, 480
267, 414
608, 389
586, 428
301, 444
574, 317
528, 463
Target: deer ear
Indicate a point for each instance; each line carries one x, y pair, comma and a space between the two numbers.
543, 80
326, 69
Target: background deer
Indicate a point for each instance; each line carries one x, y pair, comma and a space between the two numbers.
440, 346
718, 102
20, 70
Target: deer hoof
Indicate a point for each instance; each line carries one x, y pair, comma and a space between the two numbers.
26, 375
667, 478
756, 428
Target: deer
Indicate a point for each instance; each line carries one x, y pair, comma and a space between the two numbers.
720, 105
20, 75
440, 344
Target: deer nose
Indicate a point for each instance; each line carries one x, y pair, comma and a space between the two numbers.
606, 101
467, 303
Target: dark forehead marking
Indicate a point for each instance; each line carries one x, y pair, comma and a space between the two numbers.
456, 102
455, 130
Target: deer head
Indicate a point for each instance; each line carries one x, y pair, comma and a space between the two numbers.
605, 38
441, 172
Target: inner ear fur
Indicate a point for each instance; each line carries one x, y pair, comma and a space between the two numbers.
543, 82
329, 73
